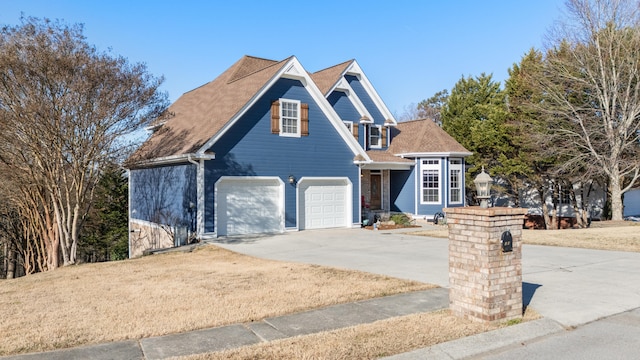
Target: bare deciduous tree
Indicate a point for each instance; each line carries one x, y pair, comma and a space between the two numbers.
64, 108
431, 108
591, 84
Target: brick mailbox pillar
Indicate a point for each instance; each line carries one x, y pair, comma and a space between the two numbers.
485, 263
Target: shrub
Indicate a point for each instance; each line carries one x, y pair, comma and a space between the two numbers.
401, 219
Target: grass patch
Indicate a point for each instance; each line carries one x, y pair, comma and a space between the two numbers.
618, 236
369, 341
169, 293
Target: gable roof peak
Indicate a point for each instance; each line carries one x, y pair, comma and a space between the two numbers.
249, 65
326, 78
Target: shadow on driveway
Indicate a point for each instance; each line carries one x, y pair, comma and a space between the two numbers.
528, 290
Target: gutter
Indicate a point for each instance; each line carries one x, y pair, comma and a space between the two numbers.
173, 160
435, 154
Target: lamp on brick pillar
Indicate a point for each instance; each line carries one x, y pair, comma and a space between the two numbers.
483, 188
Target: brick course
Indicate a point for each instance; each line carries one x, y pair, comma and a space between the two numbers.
485, 283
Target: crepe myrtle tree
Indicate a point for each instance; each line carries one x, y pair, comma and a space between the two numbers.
64, 109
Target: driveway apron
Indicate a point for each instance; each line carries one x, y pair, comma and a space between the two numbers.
571, 286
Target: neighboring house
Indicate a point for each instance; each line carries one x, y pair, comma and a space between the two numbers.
268, 147
631, 202
589, 202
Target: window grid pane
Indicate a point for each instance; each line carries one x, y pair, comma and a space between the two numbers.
289, 117
375, 136
455, 186
430, 185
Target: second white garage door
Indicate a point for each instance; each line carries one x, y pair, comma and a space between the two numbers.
249, 205
324, 203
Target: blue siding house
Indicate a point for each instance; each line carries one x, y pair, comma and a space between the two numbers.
268, 147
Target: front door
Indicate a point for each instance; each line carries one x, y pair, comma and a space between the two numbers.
376, 192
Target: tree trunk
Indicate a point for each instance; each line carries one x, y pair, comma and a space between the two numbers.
543, 206
555, 223
11, 260
577, 209
51, 240
616, 198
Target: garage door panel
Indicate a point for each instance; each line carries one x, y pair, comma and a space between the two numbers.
248, 206
323, 204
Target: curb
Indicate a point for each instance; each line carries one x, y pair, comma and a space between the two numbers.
485, 342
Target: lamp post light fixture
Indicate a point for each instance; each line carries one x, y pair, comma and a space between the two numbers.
483, 188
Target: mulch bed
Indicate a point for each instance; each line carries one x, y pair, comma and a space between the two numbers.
391, 227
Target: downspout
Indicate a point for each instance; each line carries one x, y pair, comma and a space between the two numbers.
199, 193
360, 202
416, 185
129, 209
189, 159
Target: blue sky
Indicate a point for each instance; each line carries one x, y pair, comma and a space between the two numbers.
408, 49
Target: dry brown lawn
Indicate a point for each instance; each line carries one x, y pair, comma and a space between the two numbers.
169, 293
605, 235
369, 341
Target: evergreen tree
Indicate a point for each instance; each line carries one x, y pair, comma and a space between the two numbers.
105, 235
530, 166
475, 115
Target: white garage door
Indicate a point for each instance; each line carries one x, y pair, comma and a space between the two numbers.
324, 203
249, 206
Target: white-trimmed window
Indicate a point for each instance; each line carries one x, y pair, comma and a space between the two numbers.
565, 195
349, 125
289, 117
455, 181
375, 136
430, 181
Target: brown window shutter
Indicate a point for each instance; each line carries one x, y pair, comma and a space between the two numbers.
384, 136
275, 117
356, 126
304, 119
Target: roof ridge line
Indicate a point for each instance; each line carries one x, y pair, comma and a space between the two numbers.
234, 79
331, 67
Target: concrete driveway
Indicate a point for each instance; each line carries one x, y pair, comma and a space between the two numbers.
571, 286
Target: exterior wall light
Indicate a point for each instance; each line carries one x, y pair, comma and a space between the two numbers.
292, 179
483, 188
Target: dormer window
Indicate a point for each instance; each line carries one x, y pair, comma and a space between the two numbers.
353, 127
375, 136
